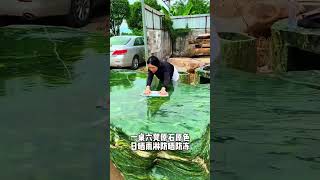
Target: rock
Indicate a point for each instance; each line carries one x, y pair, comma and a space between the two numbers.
264, 69
201, 51
205, 45
285, 41
184, 77
203, 60
203, 72
186, 64
203, 41
255, 17
203, 36
238, 51
187, 68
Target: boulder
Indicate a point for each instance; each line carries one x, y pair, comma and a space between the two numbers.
203, 36
254, 17
205, 45
203, 41
186, 64
200, 52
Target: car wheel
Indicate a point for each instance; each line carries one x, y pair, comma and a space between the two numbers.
135, 63
79, 13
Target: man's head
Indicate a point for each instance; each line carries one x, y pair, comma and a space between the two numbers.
153, 64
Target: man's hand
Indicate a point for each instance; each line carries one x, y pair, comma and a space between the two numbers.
163, 91
147, 91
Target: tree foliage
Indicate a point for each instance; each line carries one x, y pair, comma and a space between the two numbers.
190, 7
119, 11
168, 26
154, 4
135, 19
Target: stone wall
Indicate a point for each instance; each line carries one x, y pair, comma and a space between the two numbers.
159, 43
182, 47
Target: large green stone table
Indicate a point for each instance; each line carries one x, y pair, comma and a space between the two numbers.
186, 110
283, 37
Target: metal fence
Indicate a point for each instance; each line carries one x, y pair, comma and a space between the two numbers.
158, 41
200, 21
153, 18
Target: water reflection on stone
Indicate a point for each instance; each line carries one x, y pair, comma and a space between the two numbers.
186, 110
266, 126
44, 110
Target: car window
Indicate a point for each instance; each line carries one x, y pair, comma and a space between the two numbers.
137, 42
141, 41
118, 40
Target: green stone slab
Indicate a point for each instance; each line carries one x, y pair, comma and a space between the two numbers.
28, 47
186, 110
52, 124
282, 37
238, 51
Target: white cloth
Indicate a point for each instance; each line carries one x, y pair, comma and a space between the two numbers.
175, 76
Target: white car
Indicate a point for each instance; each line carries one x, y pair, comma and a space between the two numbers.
126, 51
77, 12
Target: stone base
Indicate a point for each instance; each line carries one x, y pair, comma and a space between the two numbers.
238, 51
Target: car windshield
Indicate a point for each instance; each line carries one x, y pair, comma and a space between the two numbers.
118, 40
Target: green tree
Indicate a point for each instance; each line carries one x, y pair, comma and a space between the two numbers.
120, 10
135, 19
200, 6
153, 3
190, 7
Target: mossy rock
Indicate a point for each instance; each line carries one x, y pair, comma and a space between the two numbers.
238, 51
184, 77
203, 72
283, 37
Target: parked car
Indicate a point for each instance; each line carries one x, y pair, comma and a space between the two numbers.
126, 51
77, 12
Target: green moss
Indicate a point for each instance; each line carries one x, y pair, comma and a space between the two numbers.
186, 110
26, 48
283, 37
238, 51
234, 36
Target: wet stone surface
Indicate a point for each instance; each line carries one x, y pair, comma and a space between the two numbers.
283, 37
186, 110
266, 126
51, 80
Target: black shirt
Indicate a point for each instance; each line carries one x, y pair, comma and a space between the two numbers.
164, 74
